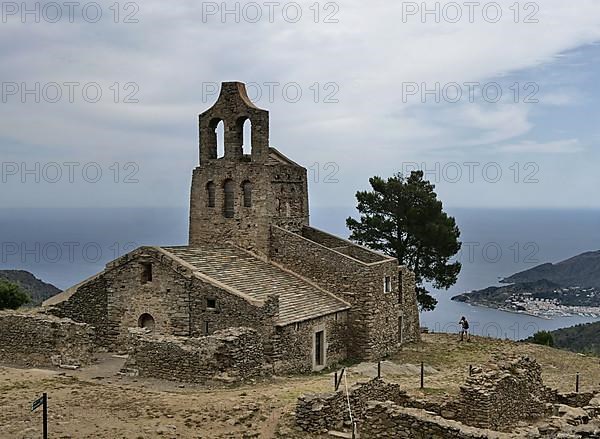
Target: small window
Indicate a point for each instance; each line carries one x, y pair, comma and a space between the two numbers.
206, 328
211, 303
210, 194
229, 205
320, 348
247, 190
146, 272
387, 284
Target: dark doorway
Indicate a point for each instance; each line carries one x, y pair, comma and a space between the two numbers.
319, 348
146, 321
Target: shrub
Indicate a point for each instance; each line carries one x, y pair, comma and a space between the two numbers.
543, 338
12, 295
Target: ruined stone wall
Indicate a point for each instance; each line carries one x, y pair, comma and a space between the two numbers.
294, 344
388, 420
374, 318
227, 356
90, 305
36, 340
317, 413
501, 394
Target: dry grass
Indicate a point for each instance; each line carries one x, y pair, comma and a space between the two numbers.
85, 406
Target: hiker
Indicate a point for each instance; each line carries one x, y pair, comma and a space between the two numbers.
464, 329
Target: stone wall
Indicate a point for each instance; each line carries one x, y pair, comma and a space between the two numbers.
175, 298
501, 394
89, 304
388, 420
37, 340
227, 356
293, 344
375, 315
317, 413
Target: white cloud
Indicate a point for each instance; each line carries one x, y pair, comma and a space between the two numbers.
171, 52
567, 146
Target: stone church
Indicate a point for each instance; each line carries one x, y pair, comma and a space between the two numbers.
254, 261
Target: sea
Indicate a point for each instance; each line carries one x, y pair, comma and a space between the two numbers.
65, 246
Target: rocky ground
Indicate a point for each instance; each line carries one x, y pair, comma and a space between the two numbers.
97, 403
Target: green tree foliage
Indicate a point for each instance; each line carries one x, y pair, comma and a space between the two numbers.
403, 218
544, 338
12, 295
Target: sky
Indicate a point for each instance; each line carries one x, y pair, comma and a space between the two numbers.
496, 102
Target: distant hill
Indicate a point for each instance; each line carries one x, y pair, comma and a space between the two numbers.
497, 296
37, 289
582, 270
580, 338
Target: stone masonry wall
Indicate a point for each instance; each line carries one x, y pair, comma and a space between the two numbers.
501, 395
175, 298
36, 340
411, 327
317, 413
293, 344
279, 186
89, 305
388, 420
227, 356
374, 318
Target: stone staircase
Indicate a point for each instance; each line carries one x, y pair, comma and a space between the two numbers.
298, 299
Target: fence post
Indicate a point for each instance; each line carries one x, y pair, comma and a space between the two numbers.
45, 416
470, 369
577, 383
422, 375
335, 381
379, 369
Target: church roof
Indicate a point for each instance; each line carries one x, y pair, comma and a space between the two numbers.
299, 299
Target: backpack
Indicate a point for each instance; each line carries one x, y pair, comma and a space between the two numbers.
466, 324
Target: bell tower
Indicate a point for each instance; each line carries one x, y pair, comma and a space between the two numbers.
234, 108
237, 197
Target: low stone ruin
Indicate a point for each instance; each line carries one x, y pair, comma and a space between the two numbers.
494, 401
502, 394
321, 412
38, 340
227, 356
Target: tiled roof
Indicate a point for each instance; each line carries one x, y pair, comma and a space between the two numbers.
298, 299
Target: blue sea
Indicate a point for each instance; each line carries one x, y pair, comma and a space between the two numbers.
65, 246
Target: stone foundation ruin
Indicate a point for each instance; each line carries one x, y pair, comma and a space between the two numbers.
37, 340
494, 400
228, 356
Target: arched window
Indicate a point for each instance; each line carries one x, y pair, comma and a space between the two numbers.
210, 194
243, 128
247, 137
220, 135
247, 191
229, 202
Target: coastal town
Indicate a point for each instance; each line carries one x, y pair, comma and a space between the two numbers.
561, 302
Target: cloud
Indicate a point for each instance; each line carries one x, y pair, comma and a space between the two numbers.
174, 51
568, 146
